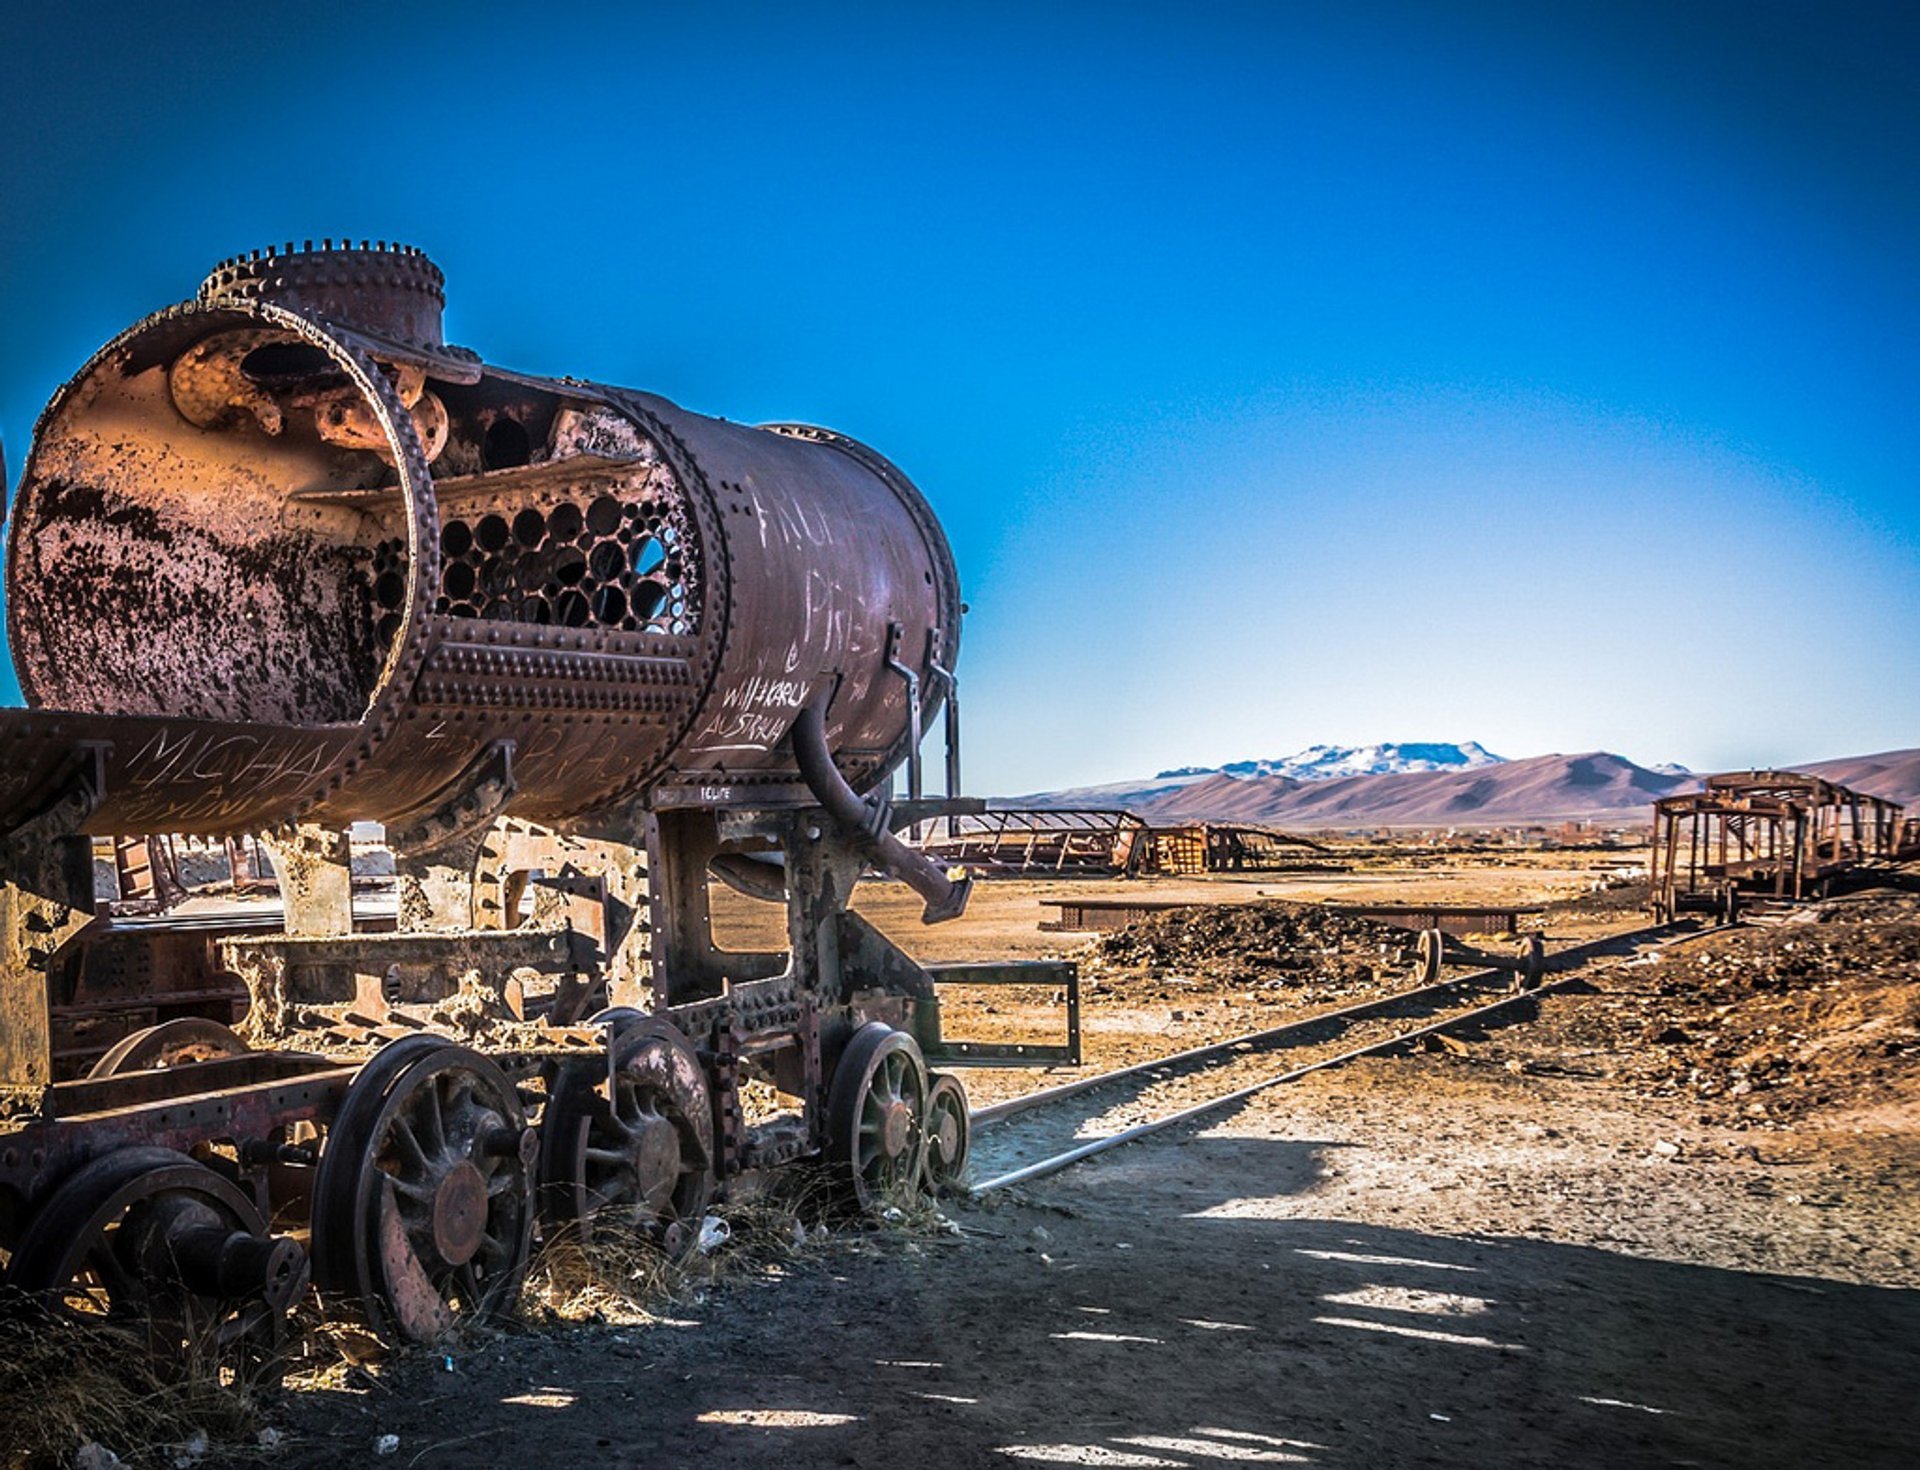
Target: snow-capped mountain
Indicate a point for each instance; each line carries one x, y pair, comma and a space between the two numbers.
1329, 762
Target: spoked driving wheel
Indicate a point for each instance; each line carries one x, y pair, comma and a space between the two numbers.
423, 1199
629, 1145
148, 1241
949, 1129
876, 1116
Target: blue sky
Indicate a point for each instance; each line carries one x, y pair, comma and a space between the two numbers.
1283, 374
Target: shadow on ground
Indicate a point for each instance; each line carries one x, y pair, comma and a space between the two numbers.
1164, 1323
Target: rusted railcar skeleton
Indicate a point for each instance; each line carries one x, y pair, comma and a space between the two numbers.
1763, 835
282, 560
1102, 842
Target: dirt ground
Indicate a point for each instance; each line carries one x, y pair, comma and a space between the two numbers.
1555, 1249
1667, 1219
1410, 1262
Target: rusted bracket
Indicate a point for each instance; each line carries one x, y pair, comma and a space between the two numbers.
911, 676
951, 682
314, 866
436, 850
46, 898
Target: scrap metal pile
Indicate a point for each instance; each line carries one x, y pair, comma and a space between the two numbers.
1764, 1023
1267, 944
282, 561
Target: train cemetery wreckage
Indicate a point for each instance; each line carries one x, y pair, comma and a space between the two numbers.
283, 561
1103, 842
1758, 837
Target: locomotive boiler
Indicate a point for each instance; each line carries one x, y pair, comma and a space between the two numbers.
283, 562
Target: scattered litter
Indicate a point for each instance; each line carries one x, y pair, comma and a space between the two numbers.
91, 1456
387, 1444
714, 1233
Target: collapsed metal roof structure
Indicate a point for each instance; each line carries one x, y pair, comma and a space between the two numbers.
1763, 834
1102, 842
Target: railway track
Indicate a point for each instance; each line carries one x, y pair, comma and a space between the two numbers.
1027, 1138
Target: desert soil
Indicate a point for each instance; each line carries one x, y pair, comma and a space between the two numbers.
1670, 1220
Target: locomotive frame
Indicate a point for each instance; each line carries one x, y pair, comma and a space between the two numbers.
549, 1033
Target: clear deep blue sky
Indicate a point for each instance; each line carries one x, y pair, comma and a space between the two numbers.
1282, 374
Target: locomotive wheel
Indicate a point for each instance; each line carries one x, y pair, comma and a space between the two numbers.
423, 1198
148, 1240
173, 1043
876, 1116
1533, 964
1432, 954
949, 1131
642, 1159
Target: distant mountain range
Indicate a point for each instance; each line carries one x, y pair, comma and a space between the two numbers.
1328, 762
1438, 785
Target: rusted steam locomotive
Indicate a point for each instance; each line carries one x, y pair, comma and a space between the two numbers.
282, 561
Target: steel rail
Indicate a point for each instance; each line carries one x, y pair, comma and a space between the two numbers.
1041, 1168
996, 1112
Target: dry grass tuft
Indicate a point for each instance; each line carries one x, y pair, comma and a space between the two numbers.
608, 1274
69, 1382
611, 1276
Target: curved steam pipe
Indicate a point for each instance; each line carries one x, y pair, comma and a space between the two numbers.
866, 821
756, 877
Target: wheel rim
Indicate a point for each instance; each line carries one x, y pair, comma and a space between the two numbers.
428, 1205
877, 1115
948, 1131
640, 1160
152, 1242
173, 1043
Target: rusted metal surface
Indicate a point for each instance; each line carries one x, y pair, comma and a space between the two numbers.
1763, 835
1095, 842
1449, 918
282, 560
1067, 841
324, 562
1104, 915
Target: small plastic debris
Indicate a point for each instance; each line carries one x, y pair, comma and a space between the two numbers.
1041, 1234
387, 1444
1666, 1149
91, 1456
269, 1438
1441, 1418
714, 1233
799, 1234
191, 1450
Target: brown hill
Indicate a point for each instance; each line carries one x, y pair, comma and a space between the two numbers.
1545, 788
1892, 774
